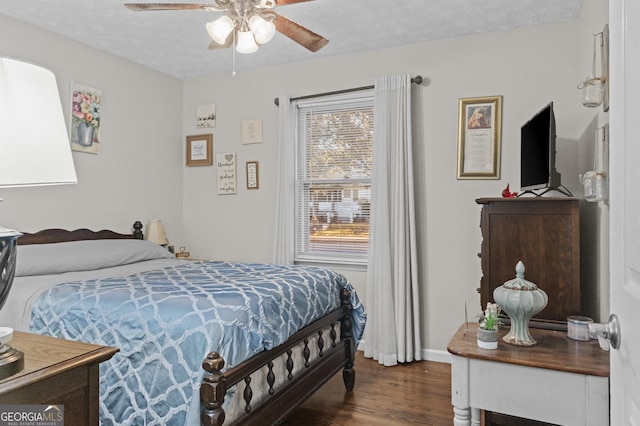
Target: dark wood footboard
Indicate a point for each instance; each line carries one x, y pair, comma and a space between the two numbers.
283, 401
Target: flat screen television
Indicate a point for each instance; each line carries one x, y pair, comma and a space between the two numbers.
538, 153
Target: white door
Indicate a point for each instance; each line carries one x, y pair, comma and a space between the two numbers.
624, 172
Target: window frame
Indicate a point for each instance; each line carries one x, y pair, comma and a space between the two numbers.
302, 221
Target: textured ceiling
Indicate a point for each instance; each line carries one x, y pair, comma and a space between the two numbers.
175, 42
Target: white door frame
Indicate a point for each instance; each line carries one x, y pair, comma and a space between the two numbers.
624, 174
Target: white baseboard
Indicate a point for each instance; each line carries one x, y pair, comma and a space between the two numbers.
427, 354
436, 356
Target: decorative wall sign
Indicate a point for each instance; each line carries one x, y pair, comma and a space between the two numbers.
479, 131
200, 150
226, 172
206, 115
253, 178
86, 116
251, 131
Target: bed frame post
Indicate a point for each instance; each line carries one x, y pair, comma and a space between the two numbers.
137, 230
348, 374
212, 391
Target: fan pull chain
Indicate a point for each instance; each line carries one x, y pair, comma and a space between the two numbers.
233, 49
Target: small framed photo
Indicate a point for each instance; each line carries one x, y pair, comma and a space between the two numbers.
206, 115
253, 178
200, 150
479, 132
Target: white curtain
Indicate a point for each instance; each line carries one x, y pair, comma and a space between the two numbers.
392, 333
284, 229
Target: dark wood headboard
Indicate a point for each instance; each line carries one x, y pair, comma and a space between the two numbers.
62, 235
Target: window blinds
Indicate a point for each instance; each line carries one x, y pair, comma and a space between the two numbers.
333, 177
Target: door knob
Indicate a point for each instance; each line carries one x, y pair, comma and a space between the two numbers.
608, 333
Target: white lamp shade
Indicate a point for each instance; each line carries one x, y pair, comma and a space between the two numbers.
263, 30
246, 42
220, 29
155, 233
34, 144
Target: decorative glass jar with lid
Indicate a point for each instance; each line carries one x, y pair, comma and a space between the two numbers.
521, 300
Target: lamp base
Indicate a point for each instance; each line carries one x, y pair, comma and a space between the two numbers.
11, 361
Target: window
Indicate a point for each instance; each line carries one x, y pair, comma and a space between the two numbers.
333, 178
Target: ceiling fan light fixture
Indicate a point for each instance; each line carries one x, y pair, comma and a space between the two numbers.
220, 29
263, 30
246, 43
237, 14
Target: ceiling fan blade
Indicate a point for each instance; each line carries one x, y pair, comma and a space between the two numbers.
140, 7
301, 35
285, 2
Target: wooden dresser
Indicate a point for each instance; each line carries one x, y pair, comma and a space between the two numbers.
544, 233
57, 372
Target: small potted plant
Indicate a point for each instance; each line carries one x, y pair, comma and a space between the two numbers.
490, 322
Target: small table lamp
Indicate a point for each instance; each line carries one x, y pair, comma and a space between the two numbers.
155, 233
34, 151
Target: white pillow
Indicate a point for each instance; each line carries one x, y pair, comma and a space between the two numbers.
56, 258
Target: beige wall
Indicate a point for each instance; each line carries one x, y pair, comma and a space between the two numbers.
529, 67
137, 175
140, 173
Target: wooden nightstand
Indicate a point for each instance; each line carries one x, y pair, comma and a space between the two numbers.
558, 381
57, 372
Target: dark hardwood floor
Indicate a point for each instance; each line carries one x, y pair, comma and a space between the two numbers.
417, 393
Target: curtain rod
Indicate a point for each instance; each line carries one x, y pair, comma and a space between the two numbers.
415, 80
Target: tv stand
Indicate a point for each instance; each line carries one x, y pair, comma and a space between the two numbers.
561, 189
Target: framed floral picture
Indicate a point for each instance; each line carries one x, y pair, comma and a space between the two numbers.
85, 117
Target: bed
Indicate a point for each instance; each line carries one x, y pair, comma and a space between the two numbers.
201, 342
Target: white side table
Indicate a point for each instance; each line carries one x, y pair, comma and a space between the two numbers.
559, 381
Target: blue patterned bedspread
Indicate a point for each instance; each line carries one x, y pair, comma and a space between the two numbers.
166, 321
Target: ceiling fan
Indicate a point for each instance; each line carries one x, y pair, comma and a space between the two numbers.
245, 23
